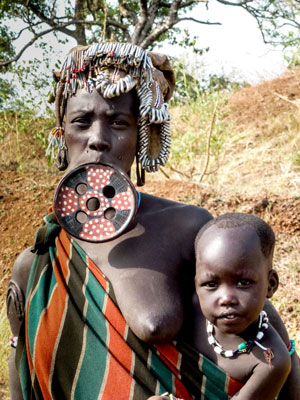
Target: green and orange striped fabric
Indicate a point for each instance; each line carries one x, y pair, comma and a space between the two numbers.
75, 344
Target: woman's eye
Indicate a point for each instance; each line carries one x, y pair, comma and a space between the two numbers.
244, 282
119, 123
81, 121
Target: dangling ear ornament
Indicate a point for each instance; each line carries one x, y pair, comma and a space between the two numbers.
55, 138
62, 155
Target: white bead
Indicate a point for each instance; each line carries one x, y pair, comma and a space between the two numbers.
260, 335
217, 350
211, 340
228, 353
210, 327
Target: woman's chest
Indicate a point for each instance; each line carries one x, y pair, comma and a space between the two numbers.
146, 283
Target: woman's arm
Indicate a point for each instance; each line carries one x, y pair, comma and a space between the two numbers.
291, 388
15, 312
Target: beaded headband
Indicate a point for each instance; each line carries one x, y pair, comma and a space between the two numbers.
115, 68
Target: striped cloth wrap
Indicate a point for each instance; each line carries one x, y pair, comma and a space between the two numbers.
75, 344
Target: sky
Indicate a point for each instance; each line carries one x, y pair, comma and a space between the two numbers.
236, 47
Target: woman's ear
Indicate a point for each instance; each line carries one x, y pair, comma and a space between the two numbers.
273, 283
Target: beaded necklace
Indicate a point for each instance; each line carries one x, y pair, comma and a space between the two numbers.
242, 347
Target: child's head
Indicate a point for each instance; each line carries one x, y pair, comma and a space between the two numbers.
234, 274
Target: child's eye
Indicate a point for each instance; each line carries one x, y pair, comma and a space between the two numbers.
243, 282
209, 285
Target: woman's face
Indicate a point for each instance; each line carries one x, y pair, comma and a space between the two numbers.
99, 130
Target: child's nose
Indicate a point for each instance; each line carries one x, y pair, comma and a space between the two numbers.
228, 297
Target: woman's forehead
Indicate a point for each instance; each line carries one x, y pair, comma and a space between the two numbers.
84, 101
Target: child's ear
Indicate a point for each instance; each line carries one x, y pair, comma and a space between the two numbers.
273, 283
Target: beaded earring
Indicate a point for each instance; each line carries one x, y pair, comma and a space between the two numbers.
57, 139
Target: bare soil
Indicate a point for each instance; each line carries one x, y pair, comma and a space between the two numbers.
254, 106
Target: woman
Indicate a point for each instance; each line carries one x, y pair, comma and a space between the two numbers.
110, 107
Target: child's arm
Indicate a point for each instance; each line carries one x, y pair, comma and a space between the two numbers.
266, 381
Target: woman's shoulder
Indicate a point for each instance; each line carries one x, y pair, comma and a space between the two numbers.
185, 215
281, 357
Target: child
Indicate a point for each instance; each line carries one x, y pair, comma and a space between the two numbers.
234, 276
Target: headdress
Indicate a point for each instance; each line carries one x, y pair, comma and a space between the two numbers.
115, 68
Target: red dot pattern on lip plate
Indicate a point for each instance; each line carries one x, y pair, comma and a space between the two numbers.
98, 177
98, 229
123, 200
67, 201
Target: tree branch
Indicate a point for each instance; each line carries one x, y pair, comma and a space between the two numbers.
141, 23
4, 64
79, 28
159, 30
198, 21
151, 15
229, 3
183, 5
125, 12
51, 22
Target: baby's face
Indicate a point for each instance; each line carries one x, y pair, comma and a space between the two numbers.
232, 277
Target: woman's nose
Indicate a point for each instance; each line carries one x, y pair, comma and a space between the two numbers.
98, 140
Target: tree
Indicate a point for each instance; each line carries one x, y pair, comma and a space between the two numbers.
141, 22
278, 20
136, 21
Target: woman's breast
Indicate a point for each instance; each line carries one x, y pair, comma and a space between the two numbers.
151, 303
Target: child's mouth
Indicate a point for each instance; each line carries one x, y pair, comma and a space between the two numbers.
228, 316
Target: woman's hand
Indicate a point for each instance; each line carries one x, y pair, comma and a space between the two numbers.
159, 398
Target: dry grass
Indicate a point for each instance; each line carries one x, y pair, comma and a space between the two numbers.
23, 139
266, 159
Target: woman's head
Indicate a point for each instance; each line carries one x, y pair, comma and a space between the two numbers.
111, 69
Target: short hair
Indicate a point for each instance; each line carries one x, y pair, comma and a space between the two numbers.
233, 220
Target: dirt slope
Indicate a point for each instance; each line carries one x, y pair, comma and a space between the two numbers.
254, 106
